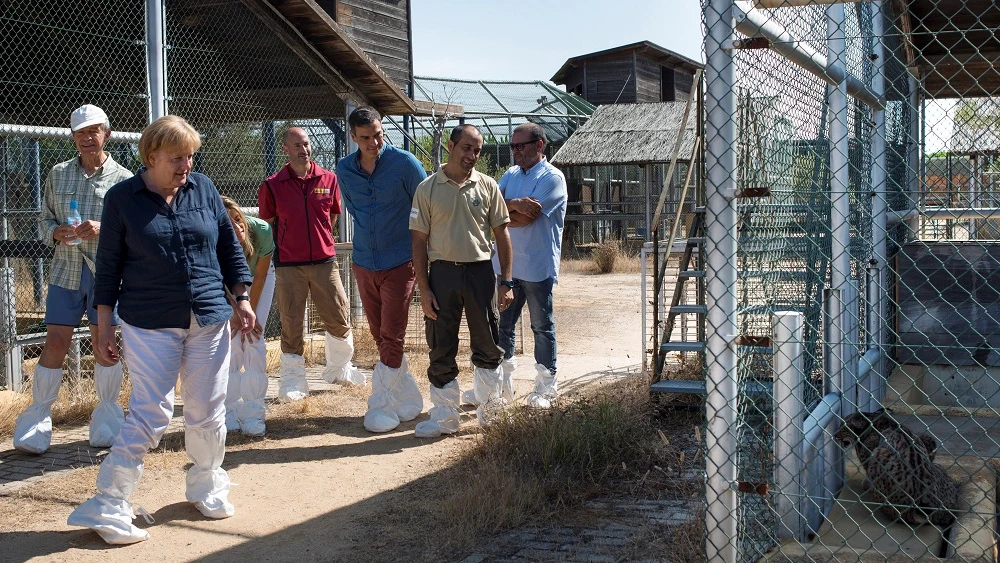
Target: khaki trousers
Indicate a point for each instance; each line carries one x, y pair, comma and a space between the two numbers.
292, 287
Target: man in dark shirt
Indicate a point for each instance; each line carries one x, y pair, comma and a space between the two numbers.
302, 202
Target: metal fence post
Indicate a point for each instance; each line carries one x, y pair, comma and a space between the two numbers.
880, 231
840, 235
8, 326
156, 72
720, 274
347, 230
270, 148
32, 159
789, 364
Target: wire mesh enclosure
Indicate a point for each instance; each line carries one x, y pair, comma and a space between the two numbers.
851, 265
241, 72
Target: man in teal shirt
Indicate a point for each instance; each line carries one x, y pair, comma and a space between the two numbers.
377, 183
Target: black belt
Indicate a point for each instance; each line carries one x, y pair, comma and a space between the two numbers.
453, 263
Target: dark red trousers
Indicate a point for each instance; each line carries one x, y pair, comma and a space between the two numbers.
386, 295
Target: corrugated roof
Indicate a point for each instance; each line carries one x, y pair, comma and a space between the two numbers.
629, 134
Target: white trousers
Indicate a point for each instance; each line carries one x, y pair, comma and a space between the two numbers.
155, 358
251, 356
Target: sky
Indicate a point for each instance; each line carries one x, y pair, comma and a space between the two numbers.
531, 39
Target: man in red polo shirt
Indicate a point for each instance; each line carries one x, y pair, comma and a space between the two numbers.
302, 202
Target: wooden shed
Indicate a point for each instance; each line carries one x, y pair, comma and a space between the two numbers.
640, 72
615, 167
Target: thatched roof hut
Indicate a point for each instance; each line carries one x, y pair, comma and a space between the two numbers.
636, 134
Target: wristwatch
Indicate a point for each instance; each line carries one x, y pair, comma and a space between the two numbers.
243, 298
508, 283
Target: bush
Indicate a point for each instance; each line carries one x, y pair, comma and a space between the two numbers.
606, 255
528, 465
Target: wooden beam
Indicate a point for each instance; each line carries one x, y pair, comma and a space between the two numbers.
399, 99
428, 109
907, 25
290, 36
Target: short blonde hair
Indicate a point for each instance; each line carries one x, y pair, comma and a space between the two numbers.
169, 132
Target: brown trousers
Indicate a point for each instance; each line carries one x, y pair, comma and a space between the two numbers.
292, 286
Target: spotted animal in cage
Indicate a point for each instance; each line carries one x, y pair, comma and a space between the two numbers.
900, 469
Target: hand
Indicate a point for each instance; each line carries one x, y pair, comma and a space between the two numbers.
88, 229
107, 347
248, 320
429, 304
528, 206
256, 334
64, 233
235, 324
505, 296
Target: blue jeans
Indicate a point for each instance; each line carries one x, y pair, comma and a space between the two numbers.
538, 296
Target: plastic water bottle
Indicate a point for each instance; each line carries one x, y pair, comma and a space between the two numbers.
73, 220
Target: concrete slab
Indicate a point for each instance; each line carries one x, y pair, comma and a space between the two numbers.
958, 436
856, 531
855, 526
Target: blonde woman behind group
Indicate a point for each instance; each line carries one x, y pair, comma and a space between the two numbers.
248, 355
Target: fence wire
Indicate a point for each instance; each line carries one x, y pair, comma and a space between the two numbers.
852, 260
231, 75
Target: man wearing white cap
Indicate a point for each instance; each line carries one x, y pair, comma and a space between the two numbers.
83, 180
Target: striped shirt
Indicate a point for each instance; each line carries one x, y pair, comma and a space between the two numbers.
67, 182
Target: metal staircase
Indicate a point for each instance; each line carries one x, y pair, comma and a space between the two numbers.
690, 270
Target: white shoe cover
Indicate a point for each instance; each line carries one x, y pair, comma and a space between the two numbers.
108, 416
111, 518
292, 384
381, 415
409, 400
339, 368
469, 397
33, 429
444, 414
207, 482
251, 409
507, 380
507, 384
546, 388
108, 512
489, 387
233, 400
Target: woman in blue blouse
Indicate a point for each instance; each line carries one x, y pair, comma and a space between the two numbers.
166, 251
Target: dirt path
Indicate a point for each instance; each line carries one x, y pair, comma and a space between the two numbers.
319, 486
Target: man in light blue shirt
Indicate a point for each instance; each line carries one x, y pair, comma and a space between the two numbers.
377, 183
535, 192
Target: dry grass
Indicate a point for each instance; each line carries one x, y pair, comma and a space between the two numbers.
685, 542
536, 464
625, 264
73, 407
606, 255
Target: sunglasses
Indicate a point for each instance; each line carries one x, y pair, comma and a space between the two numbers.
520, 146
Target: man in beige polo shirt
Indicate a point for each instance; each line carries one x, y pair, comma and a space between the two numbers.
454, 212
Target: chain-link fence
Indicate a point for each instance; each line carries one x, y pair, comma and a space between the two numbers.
851, 266
239, 71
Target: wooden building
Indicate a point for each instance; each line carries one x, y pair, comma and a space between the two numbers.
636, 73
382, 28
